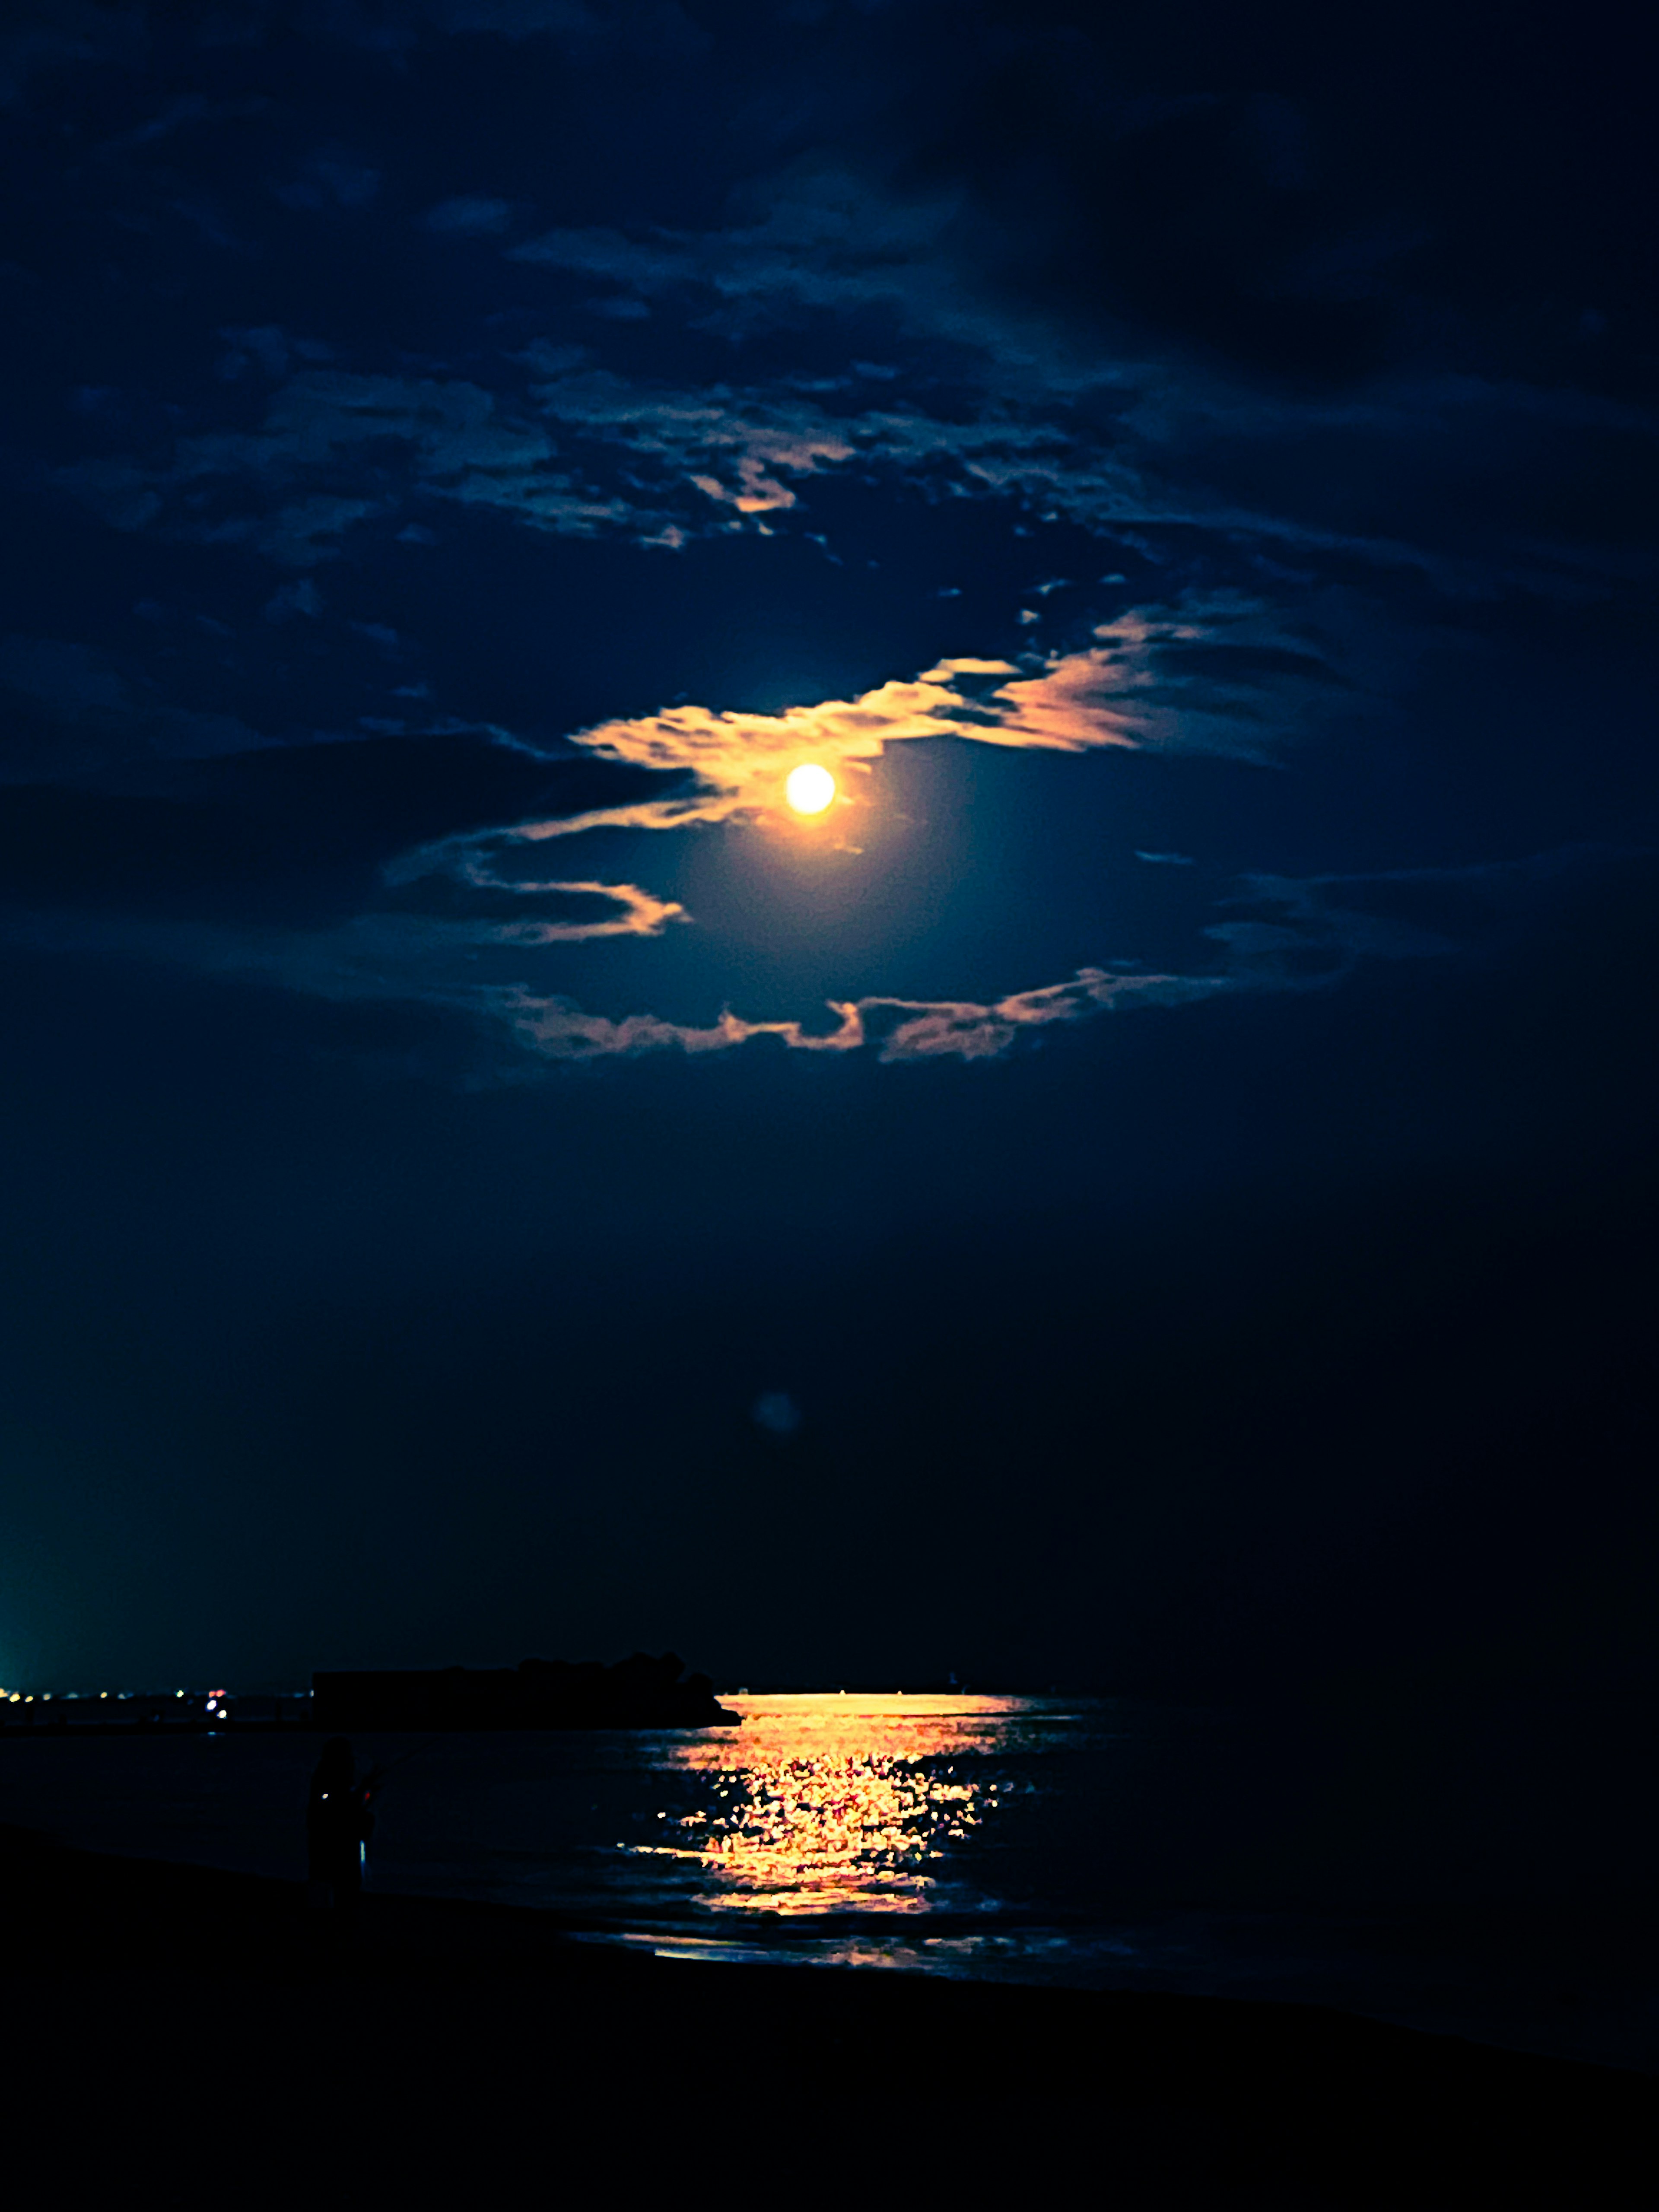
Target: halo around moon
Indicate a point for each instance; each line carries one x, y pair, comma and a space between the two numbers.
808, 788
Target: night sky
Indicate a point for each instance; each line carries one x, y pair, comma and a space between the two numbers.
1153, 1188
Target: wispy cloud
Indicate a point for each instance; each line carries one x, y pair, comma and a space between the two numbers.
1282, 934
1033, 359
472, 217
291, 489
1134, 689
830, 240
736, 763
564, 453
634, 912
555, 1029
1291, 933
83, 714
1216, 675
562, 444
967, 1031
415, 960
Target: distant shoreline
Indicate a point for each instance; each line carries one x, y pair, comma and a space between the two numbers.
157, 1731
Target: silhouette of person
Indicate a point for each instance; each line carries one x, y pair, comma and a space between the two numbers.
339, 1821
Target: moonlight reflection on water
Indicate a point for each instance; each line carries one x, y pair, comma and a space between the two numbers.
833, 1803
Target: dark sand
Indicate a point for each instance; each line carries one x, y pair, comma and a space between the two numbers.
206, 2032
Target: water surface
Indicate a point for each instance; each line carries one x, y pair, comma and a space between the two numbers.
1094, 1842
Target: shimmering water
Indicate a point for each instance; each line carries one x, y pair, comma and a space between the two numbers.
824, 1806
1090, 1841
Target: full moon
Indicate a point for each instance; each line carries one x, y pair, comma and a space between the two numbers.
809, 788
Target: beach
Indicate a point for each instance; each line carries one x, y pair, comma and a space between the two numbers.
216, 2011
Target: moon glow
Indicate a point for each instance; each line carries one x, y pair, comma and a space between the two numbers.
809, 788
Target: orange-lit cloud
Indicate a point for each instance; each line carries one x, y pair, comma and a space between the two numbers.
964, 1031
416, 960
557, 1029
1193, 678
739, 762
643, 915
472, 861
1147, 681
1182, 677
1289, 934
898, 1028
1191, 674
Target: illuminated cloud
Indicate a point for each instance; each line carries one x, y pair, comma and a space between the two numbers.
473, 862
579, 451
966, 1031
571, 447
1302, 933
555, 1028
1129, 690
727, 445
727, 438
738, 762
1073, 398
461, 442
897, 1028
1216, 675
1288, 934
641, 914
415, 960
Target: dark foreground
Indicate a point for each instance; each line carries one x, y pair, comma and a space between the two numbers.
171, 2023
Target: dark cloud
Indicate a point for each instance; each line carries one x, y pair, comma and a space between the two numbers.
469, 217
75, 714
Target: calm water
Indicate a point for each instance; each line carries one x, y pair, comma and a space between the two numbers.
1098, 1844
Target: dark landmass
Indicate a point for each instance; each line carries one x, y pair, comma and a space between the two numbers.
640, 1692
209, 2021
538, 1693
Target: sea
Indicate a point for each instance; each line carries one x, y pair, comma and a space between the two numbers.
1480, 1873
